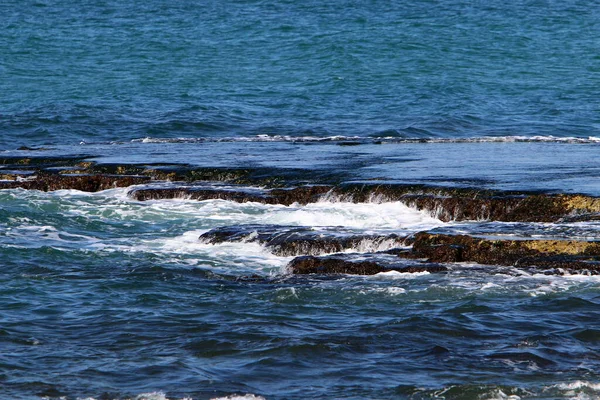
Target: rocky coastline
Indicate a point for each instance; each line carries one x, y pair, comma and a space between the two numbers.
326, 252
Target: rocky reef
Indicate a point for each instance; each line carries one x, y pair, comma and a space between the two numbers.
290, 186
430, 252
314, 247
293, 240
341, 265
572, 255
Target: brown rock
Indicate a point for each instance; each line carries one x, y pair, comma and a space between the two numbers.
86, 183
545, 254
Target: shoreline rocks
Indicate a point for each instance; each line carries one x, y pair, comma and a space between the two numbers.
304, 265
301, 241
542, 254
431, 251
291, 186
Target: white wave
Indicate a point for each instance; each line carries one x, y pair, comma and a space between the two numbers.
239, 257
353, 215
396, 290
114, 205
499, 395
384, 139
580, 390
577, 385
256, 138
240, 397
375, 245
391, 215
146, 396
469, 279
398, 275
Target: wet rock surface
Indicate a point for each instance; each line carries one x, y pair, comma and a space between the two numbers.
86, 183
341, 265
293, 241
301, 195
542, 254
431, 251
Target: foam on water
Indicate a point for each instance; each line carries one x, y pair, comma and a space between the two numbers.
114, 204
481, 280
378, 139
398, 275
109, 221
161, 396
393, 215
146, 396
114, 208
580, 390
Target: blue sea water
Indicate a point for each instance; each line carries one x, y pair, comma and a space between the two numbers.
106, 297
119, 70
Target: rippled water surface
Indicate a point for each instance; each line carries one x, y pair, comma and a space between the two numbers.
105, 297
116, 70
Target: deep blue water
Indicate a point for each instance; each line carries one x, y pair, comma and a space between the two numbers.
105, 297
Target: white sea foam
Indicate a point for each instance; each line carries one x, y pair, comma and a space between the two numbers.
468, 279
242, 139
352, 215
143, 396
398, 275
580, 390
577, 385
114, 205
384, 139
396, 290
126, 225
240, 397
499, 395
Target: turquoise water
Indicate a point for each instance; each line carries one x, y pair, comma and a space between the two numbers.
119, 70
106, 297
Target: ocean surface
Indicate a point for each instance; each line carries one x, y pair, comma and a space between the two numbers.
105, 297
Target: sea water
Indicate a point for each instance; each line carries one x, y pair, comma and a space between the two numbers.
106, 297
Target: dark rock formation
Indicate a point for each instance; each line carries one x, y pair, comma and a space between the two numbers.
340, 265
292, 241
458, 204
198, 193
288, 186
542, 254
302, 195
87, 183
